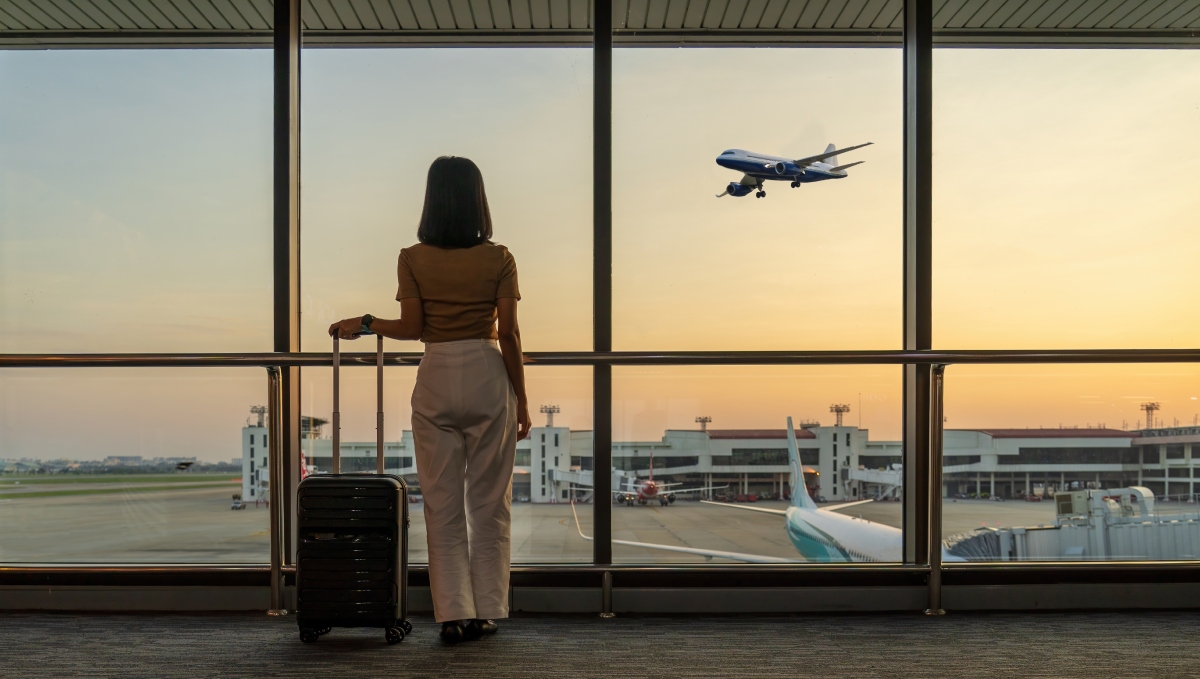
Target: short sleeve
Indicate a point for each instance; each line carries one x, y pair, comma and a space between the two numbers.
508, 279
408, 284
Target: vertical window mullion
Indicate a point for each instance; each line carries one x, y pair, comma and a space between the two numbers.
918, 175
602, 277
286, 258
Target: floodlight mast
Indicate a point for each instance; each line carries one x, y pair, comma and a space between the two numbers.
703, 420
261, 411
839, 409
549, 411
1150, 408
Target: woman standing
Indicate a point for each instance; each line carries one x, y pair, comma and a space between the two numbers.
469, 406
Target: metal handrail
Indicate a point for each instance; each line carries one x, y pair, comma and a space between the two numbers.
936, 414
618, 358
275, 479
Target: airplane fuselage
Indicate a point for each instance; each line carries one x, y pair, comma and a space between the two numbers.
766, 167
825, 536
642, 491
648, 490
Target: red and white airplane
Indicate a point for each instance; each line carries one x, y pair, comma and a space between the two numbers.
631, 489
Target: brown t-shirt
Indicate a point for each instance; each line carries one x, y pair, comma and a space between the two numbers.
458, 288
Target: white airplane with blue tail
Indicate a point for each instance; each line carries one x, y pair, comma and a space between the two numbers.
757, 168
819, 534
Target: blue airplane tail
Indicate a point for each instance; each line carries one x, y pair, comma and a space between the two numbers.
833, 160
800, 496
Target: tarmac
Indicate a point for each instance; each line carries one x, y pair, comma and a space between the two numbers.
139, 522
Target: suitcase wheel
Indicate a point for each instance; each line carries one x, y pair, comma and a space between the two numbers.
309, 635
394, 635
407, 626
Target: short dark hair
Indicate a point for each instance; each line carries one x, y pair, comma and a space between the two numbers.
456, 209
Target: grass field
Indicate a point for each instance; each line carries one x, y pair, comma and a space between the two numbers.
32, 487
56, 479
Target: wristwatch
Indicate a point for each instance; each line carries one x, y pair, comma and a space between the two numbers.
367, 320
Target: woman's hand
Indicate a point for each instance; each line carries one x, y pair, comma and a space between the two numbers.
524, 423
349, 328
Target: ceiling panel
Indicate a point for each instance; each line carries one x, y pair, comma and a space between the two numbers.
866, 17
1004, 22
539, 13
676, 11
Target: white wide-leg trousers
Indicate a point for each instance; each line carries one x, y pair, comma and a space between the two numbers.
464, 417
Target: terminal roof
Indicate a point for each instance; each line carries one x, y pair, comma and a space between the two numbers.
757, 434
1056, 433
1035, 23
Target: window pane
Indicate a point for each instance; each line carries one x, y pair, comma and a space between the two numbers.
1059, 462
816, 267
550, 464
136, 209
1065, 209
375, 119
719, 433
125, 465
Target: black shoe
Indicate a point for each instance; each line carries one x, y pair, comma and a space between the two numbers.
452, 632
477, 628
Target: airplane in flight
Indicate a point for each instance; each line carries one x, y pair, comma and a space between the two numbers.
758, 167
819, 534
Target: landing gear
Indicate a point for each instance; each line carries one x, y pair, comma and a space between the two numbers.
761, 194
795, 185
663, 501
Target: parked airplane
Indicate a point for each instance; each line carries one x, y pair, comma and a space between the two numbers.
758, 167
819, 534
631, 489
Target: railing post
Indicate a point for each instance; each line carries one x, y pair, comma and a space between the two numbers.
275, 481
936, 409
337, 409
606, 610
379, 402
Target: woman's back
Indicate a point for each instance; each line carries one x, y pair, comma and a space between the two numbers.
458, 288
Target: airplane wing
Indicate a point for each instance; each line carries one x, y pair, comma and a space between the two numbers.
708, 554
839, 168
844, 505
748, 508
802, 162
782, 512
669, 490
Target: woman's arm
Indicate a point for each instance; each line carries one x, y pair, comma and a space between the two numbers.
510, 345
409, 326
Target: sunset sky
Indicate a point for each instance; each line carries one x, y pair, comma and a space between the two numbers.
135, 215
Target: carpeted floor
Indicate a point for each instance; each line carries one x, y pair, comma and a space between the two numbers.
1089, 645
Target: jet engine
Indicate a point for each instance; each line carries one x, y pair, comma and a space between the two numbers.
738, 190
780, 167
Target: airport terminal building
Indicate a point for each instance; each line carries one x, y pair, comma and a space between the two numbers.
843, 463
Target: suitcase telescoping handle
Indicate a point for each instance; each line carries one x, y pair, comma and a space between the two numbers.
337, 415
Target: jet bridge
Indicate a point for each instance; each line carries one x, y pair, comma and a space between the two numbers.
881, 484
1091, 525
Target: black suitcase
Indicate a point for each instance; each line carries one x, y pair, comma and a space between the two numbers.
352, 561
